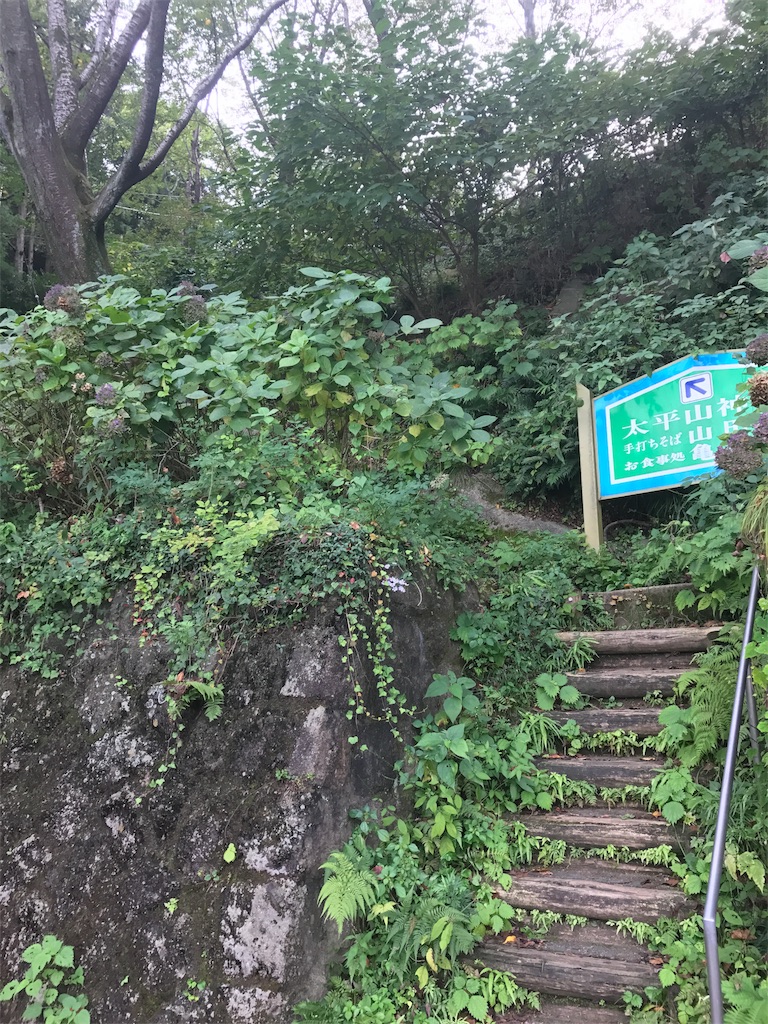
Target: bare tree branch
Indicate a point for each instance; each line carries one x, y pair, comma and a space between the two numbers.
256, 105
81, 126
64, 84
104, 34
125, 176
203, 88
378, 19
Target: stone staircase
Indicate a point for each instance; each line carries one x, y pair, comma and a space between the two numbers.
582, 972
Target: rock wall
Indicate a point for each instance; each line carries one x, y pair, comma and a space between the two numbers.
274, 775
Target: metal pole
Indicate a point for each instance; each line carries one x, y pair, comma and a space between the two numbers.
754, 739
718, 848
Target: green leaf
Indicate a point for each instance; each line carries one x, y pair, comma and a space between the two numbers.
478, 1007
438, 687
230, 853
544, 700
452, 706
315, 272
759, 279
65, 957
570, 695
10, 990
740, 250
673, 811
667, 976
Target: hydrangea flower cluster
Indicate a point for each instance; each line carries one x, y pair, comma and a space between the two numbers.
118, 425
738, 455
757, 350
759, 258
758, 389
64, 297
104, 361
69, 336
760, 429
105, 395
194, 309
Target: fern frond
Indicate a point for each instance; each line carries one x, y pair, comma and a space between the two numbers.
750, 1002
347, 891
710, 687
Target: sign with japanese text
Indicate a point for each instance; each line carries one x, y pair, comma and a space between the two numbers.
662, 430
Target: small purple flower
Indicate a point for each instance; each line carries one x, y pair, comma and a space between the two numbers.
396, 584
105, 395
117, 425
738, 455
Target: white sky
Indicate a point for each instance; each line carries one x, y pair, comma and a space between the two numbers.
615, 32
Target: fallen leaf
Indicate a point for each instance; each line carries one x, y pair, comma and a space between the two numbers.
510, 938
742, 933
657, 961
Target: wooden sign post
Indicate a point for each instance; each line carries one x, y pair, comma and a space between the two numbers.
590, 497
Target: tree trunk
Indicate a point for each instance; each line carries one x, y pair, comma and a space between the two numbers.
58, 191
529, 7
21, 238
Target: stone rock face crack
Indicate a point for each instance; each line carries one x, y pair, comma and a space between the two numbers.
94, 854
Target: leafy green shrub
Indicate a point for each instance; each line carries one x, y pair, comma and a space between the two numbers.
51, 967
105, 376
665, 298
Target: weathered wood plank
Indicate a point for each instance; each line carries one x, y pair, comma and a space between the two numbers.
639, 641
598, 827
597, 900
568, 974
641, 721
604, 771
626, 683
577, 1013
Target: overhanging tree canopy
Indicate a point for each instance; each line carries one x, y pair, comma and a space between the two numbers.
51, 104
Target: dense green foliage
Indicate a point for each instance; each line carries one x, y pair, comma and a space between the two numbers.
232, 463
466, 175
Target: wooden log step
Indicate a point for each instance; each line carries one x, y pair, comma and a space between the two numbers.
624, 683
590, 827
641, 721
599, 891
565, 1013
670, 661
574, 967
604, 771
640, 641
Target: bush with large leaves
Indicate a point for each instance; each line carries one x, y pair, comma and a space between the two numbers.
101, 376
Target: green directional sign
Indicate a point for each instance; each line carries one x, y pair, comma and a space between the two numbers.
662, 430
